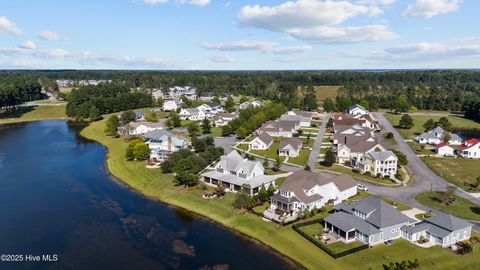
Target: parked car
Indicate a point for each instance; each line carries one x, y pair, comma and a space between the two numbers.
362, 187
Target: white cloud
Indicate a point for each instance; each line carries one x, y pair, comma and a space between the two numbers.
317, 21
29, 45
465, 48
9, 26
351, 34
377, 2
222, 58
49, 35
200, 3
19, 64
431, 8
301, 13
256, 45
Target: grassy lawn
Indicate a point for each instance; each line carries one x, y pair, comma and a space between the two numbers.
358, 176
326, 139
309, 130
457, 171
302, 159
216, 131
279, 181
270, 171
336, 247
156, 185
316, 122
25, 114
307, 142
186, 123
271, 152
261, 208
242, 146
461, 208
421, 149
419, 120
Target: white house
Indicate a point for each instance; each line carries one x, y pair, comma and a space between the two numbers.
178, 91
138, 128
308, 190
254, 104
172, 105
304, 117
235, 173
290, 147
470, 149
157, 93
357, 110
280, 128
262, 142
210, 109
443, 149
191, 114
436, 136
162, 143
382, 163
222, 119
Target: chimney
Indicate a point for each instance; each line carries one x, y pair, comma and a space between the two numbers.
169, 144
345, 140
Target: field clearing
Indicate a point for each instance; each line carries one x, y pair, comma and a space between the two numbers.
325, 91
25, 114
457, 171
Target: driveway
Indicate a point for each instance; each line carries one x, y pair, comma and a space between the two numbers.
312, 160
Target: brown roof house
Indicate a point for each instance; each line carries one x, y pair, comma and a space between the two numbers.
262, 142
290, 147
308, 190
280, 128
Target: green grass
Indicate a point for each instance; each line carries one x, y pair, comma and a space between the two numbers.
421, 149
419, 120
326, 139
216, 131
336, 247
309, 143
358, 176
186, 123
271, 152
326, 91
25, 114
308, 130
279, 181
458, 171
261, 208
156, 185
461, 208
302, 158
243, 146
270, 171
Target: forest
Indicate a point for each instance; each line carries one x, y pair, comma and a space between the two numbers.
454, 90
18, 89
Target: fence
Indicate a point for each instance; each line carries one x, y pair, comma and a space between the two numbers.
297, 227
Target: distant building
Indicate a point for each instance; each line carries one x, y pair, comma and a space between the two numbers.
357, 110
162, 143
138, 128
206, 96
172, 105
436, 136
193, 114
157, 93
470, 149
177, 92
139, 116
222, 119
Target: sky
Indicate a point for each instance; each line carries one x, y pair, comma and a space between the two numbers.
239, 35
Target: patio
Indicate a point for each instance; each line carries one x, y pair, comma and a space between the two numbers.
271, 215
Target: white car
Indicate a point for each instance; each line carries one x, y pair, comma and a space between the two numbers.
362, 187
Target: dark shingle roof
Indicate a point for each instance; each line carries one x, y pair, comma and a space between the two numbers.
448, 222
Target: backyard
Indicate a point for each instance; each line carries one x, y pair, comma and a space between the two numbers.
461, 207
458, 171
302, 159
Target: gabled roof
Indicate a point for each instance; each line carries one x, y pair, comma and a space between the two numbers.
448, 222
382, 155
438, 130
379, 213
362, 146
469, 144
455, 137
192, 111
212, 104
440, 145
265, 138
294, 143
356, 106
234, 162
348, 222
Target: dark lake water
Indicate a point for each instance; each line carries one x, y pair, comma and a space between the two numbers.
467, 133
56, 197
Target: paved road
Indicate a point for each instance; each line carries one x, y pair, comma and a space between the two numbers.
312, 160
425, 179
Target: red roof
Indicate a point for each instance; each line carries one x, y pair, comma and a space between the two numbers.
468, 144
440, 145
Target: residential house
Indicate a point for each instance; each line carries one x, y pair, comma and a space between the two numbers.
157, 93
177, 92
470, 149
222, 119
138, 128
290, 147
382, 163
193, 114
352, 147
210, 109
369, 220
235, 173
436, 136
304, 190
357, 110
162, 143
254, 104
443, 149
262, 142
206, 96
172, 105
347, 120
280, 128
139, 116
441, 229
304, 117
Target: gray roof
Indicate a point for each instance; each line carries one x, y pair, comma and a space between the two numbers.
295, 143
347, 222
159, 133
234, 162
265, 137
280, 125
192, 111
356, 106
448, 222
418, 227
362, 146
233, 179
455, 137
379, 213
382, 155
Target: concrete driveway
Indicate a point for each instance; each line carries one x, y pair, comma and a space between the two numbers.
312, 160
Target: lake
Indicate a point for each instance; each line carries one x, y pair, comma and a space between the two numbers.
467, 133
57, 198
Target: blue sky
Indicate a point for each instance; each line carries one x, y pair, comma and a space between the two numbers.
229, 35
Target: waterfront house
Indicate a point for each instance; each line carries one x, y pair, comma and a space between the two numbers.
305, 190
234, 173
369, 220
470, 149
436, 136
162, 143
138, 128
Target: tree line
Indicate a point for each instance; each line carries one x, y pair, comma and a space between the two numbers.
93, 101
14, 91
